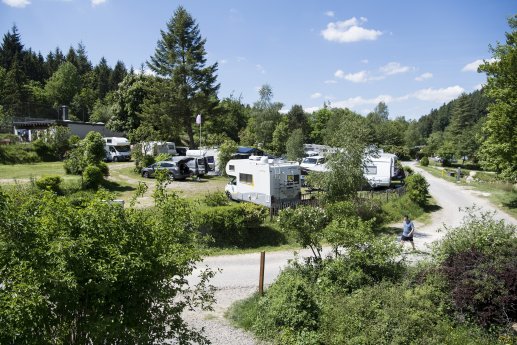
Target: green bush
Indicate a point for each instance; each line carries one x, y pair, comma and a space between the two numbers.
417, 189
408, 170
424, 161
288, 312
395, 209
18, 154
229, 225
216, 199
51, 182
92, 177
103, 167
162, 157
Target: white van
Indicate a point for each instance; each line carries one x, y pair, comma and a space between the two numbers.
211, 156
117, 149
154, 148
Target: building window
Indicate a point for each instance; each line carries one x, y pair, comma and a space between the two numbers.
371, 170
231, 167
246, 178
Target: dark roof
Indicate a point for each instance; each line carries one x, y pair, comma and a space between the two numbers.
249, 150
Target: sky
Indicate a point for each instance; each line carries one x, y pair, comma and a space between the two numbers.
412, 55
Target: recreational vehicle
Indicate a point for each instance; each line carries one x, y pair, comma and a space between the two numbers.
261, 181
117, 149
154, 148
380, 169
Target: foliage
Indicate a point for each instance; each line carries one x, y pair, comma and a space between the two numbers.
50, 182
18, 153
294, 145
216, 199
127, 103
499, 149
288, 312
229, 225
92, 177
180, 58
226, 151
395, 209
424, 161
417, 189
89, 151
63, 85
305, 224
96, 273
162, 157
480, 267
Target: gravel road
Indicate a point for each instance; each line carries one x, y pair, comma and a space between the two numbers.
239, 276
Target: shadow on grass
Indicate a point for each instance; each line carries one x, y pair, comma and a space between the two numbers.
390, 230
256, 237
512, 204
432, 208
116, 187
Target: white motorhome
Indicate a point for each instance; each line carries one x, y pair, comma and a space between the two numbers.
117, 149
154, 148
261, 181
211, 155
380, 169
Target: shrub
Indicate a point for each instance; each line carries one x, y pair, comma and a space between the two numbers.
229, 225
417, 189
103, 167
395, 209
92, 177
424, 161
162, 157
51, 182
216, 199
408, 170
18, 153
478, 260
288, 311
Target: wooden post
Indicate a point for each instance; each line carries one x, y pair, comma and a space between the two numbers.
261, 275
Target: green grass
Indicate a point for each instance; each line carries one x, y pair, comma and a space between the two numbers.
34, 170
501, 194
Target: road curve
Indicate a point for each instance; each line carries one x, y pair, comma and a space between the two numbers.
239, 274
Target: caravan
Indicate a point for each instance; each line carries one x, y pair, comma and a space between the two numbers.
154, 148
261, 181
380, 169
117, 149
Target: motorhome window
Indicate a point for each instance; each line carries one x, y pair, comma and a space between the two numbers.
371, 170
123, 148
293, 179
112, 149
108, 141
210, 159
231, 167
246, 178
310, 160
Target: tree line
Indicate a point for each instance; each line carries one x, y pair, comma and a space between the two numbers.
163, 105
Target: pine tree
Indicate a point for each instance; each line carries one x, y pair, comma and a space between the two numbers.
11, 49
102, 75
117, 75
180, 57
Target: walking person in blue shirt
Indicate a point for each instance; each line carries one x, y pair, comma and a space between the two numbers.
407, 233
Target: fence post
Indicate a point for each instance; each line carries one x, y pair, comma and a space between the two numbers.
261, 274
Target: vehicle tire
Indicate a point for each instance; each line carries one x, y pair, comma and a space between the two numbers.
145, 174
115, 159
228, 195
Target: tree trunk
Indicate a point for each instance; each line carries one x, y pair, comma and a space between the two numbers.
190, 132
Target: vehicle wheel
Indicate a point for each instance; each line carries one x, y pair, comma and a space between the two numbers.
228, 195
115, 159
145, 174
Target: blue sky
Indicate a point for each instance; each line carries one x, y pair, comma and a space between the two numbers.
413, 55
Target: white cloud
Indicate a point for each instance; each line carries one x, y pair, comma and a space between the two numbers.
223, 61
349, 30
331, 81
260, 68
473, 66
17, 3
311, 109
394, 68
316, 95
97, 2
424, 76
147, 71
439, 95
359, 77
330, 14
365, 61
354, 102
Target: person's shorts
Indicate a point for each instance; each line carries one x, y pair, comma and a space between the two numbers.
405, 238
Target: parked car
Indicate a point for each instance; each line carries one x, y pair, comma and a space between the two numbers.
178, 170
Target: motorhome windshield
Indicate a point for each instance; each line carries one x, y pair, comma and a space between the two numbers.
310, 161
123, 148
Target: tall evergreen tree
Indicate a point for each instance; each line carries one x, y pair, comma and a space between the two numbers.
11, 48
117, 75
83, 64
102, 75
499, 150
180, 57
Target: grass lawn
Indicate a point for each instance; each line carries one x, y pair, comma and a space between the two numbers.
34, 170
500, 193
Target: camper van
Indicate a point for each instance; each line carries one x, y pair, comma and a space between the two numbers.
380, 169
211, 156
117, 149
261, 181
154, 148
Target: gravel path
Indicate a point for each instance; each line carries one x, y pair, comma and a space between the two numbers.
239, 276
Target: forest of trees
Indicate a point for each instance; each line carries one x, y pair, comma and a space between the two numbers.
133, 102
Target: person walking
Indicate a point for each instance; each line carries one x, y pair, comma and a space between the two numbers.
407, 233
